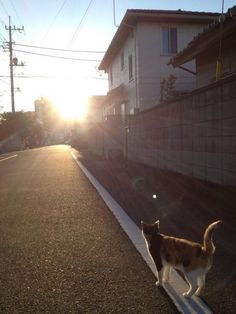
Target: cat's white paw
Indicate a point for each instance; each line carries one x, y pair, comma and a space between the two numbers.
186, 295
158, 283
197, 293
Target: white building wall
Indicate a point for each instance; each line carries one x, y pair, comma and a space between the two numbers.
152, 64
121, 76
145, 44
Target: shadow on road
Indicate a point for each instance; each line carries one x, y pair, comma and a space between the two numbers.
184, 206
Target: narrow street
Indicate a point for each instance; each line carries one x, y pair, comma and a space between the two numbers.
61, 250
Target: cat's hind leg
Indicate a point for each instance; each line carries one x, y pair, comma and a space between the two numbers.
201, 284
191, 278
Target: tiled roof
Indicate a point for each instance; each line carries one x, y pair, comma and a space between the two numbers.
179, 11
195, 46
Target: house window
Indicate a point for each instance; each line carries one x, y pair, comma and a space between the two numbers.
122, 61
169, 40
123, 113
111, 76
130, 67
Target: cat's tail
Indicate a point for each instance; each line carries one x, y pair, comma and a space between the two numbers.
207, 238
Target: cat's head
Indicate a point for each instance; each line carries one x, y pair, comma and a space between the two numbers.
150, 229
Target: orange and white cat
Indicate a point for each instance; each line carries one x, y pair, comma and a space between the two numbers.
191, 258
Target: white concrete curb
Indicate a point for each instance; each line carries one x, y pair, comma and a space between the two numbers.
3, 159
177, 285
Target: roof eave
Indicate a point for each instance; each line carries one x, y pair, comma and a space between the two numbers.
202, 43
133, 16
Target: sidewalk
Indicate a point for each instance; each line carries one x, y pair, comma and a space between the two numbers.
185, 207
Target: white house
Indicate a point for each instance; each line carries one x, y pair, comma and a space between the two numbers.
137, 58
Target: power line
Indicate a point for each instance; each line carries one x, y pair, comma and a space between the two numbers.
58, 57
80, 24
58, 12
2, 22
14, 8
3, 38
51, 77
5, 10
58, 49
4, 81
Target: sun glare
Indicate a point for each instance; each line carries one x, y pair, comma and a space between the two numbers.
70, 103
72, 108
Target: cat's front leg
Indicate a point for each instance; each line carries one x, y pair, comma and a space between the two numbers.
166, 274
159, 282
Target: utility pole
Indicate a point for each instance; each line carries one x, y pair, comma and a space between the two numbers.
13, 61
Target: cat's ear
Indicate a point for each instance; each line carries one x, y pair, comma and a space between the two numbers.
157, 224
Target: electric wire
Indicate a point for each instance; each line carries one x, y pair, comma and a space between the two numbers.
75, 35
3, 38
4, 81
14, 8
53, 77
19, 55
58, 49
54, 56
2, 22
56, 16
4, 8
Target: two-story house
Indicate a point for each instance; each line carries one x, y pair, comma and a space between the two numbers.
137, 58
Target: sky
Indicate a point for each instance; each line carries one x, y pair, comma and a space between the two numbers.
67, 77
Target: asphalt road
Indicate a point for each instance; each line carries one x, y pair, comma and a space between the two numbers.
61, 250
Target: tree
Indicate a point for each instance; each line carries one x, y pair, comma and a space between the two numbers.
23, 124
168, 90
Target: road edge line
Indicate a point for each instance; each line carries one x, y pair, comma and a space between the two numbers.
8, 158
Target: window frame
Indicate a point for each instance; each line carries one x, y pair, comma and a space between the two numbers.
111, 75
169, 40
122, 60
131, 74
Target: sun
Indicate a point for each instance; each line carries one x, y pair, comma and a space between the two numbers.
73, 107
71, 102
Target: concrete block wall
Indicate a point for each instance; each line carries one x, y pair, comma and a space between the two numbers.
107, 138
195, 135
94, 138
